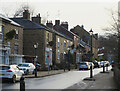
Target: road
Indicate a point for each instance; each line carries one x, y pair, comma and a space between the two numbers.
59, 81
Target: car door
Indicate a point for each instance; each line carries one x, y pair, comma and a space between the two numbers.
32, 68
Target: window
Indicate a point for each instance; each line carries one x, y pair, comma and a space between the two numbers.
71, 43
67, 43
58, 54
16, 36
16, 49
64, 43
0, 29
47, 38
1, 32
58, 43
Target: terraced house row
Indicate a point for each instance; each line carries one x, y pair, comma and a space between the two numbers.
19, 35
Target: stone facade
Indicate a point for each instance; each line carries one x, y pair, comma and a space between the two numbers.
62, 45
12, 49
95, 45
86, 40
30, 38
13, 42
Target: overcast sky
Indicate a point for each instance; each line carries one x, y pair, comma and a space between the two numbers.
95, 14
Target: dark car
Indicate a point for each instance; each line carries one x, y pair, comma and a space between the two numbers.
96, 64
38, 66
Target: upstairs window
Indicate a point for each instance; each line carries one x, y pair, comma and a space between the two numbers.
47, 38
64, 44
16, 36
16, 49
58, 54
67, 43
58, 43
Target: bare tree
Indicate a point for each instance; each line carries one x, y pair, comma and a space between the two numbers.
20, 10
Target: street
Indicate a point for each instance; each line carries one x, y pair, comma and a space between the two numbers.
59, 81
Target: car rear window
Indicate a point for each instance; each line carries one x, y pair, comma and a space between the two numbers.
24, 65
4, 67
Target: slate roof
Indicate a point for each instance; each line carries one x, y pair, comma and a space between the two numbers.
30, 25
27, 24
11, 21
63, 31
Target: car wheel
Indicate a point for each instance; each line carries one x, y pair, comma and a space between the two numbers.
14, 79
27, 72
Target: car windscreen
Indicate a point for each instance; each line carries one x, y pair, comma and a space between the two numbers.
89, 63
4, 67
23, 65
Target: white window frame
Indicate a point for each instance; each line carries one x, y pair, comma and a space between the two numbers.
58, 54
58, 42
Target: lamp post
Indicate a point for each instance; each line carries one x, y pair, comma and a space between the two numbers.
35, 46
91, 34
68, 59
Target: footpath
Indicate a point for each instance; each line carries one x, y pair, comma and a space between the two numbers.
45, 73
102, 82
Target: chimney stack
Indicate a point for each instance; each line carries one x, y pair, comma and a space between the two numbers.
26, 14
37, 19
49, 24
57, 22
65, 25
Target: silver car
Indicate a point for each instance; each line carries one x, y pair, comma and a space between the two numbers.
84, 65
11, 72
28, 68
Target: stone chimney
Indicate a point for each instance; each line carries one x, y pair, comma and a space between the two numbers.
49, 24
96, 35
26, 14
82, 26
65, 25
57, 22
37, 19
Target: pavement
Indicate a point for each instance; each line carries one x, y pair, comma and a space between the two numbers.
102, 82
46, 73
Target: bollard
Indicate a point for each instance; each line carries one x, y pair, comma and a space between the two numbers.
64, 70
103, 68
106, 67
22, 84
35, 72
91, 76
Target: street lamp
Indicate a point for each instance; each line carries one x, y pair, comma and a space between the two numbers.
68, 59
91, 34
35, 46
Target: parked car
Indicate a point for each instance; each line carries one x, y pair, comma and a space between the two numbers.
102, 63
11, 72
91, 64
27, 68
107, 63
96, 64
84, 65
